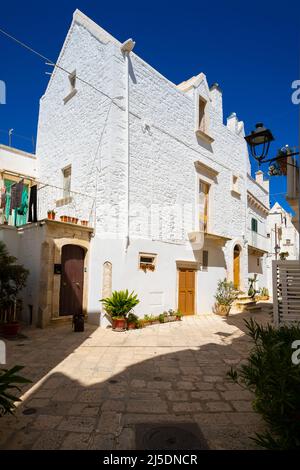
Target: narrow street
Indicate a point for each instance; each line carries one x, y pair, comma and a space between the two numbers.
92, 390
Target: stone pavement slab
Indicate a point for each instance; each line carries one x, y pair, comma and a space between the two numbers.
90, 389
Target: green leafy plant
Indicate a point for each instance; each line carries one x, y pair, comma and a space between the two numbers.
226, 293
140, 323
252, 291
283, 255
132, 318
179, 314
264, 292
120, 303
161, 318
12, 280
9, 379
275, 381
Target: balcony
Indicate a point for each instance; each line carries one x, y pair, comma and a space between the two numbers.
74, 207
258, 244
51, 203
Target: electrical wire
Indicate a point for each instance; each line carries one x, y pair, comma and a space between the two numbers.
51, 62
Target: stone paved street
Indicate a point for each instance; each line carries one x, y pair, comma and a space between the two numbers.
91, 389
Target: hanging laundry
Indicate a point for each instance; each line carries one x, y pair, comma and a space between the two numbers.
22, 210
19, 192
32, 216
3, 198
13, 201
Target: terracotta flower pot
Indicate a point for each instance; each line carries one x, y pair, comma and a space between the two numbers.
51, 215
120, 324
222, 310
84, 223
11, 329
131, 326
64, 218
74, 220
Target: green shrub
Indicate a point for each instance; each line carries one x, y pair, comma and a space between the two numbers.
132, 318
226, 293
120, 303
8, 382
271, 375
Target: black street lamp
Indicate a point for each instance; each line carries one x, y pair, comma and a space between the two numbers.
259, 142
259, 139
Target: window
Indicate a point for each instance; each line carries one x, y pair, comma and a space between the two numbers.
202, 118
288, 241
204, 204
268, 235
204, 260
147, 261
254, 225
67, 181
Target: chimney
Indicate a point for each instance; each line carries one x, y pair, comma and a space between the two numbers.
259, 178
232, 123
217, 100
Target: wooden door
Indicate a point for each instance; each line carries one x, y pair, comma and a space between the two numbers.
186, 291
236, 267
71, 284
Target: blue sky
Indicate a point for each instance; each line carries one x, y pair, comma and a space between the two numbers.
250, 48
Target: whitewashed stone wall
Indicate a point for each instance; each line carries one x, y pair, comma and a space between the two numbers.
89, 132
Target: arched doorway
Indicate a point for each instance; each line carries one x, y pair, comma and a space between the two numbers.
71, 283
236, 266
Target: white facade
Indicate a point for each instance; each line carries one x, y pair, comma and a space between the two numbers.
143, 171
283, 235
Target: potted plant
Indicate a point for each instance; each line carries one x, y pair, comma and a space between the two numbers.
118, 306
132, 320
12, 280
264, 294
252, 291
171, 315
84, 223
283, 255
225, 296
74, 220
51, 215
10, 381
179, 315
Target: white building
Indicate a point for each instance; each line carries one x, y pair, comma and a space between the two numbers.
164, 183
283, 236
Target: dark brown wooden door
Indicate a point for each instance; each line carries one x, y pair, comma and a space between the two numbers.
186, 291
71, 284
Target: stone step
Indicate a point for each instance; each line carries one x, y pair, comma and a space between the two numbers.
61, 320
246, 303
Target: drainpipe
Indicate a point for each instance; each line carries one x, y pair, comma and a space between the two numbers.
126, 48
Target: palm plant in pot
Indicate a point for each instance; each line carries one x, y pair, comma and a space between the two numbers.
225, 296
118, 306
12, 280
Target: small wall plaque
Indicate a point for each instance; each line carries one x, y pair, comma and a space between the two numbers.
57, 268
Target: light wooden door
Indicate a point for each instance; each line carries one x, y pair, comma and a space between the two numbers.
186, 291
236, 267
